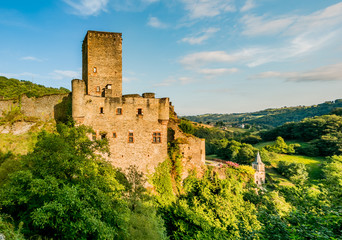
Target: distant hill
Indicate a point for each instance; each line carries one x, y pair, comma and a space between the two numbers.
11, 88
270, 117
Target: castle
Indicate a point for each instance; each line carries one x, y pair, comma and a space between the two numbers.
136, 126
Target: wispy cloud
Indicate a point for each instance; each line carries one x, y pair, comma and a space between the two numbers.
258, 25
212, 72
131, 5
198, 59
331, 72
290, 25
174, 80
216, 90
23, 75
156, 23
30, 58
296, 47
87, 7
200, 37
61, 74
207, 8
249, 4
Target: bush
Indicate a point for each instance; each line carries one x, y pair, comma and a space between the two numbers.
186, 126
296, 172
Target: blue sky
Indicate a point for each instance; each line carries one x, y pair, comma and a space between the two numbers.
208, 56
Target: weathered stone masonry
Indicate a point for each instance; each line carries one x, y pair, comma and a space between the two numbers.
135, 126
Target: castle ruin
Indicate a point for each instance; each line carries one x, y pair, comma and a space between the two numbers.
136, 126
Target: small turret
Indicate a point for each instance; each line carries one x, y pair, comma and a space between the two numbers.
259, 166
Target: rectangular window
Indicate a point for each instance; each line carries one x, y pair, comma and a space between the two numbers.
119, 111
98, 89
140, 112
130, 137
95, 70
101, 110
114, 134
103, 136
156, 137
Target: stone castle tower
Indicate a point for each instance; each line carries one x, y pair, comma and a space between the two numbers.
259, 166
136, 126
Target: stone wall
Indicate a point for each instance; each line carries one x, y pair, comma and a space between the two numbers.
44, 108
191, 147
102, 63
119, 118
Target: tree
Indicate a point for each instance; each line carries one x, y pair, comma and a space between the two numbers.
212, 208
65, 189
296, 172
186, 126
280, 146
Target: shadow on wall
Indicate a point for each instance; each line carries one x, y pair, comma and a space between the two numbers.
63, 110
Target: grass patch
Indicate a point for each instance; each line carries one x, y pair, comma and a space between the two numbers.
313, 164
211, 157
277, 178
25, 142
263, 144
18, 144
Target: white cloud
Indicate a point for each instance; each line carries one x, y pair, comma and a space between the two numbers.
201, 58
131, 5
166, 82
30, 58
207, 8
216, 90
61, 74
150, 1
200, 37
331, 72
257, 25
211, 72
319, 22
185, 80
249, 4
174, 80
296, 47
20, 76
156, 23
87, 7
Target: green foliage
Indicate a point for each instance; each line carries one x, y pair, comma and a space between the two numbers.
296, 172
333, 179
8, 163
241, 153
65, 190
280, 146
176, 160
13, 115
271, 117
323, 133
8, 231
162, 182
12, 88
145, 223
211, 208
186, 126
337, 111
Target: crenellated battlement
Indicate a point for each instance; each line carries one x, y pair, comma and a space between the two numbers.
135, 125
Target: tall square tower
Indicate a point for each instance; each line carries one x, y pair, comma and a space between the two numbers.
102, 64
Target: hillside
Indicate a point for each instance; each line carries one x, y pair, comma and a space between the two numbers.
11, 88
272, 117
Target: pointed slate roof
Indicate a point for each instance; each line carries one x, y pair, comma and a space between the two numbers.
258, 159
